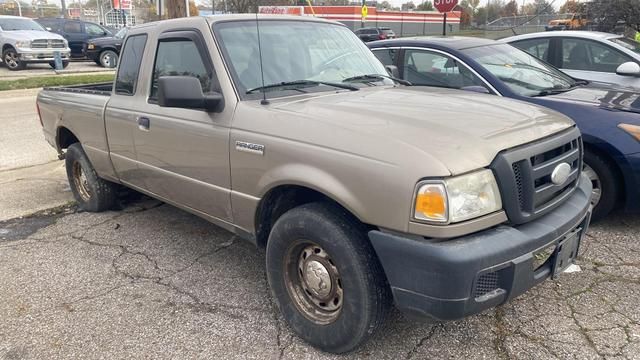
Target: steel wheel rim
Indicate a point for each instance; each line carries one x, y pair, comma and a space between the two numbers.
80, 181
596, 193
11, 59
108, 60
313, 282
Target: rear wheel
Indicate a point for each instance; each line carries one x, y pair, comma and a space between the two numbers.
91, 192
605, 191
326, 278
12, 61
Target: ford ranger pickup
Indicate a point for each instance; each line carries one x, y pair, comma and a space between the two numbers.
365, 193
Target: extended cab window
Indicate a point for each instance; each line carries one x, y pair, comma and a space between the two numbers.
179, 57
130, 64
429, 68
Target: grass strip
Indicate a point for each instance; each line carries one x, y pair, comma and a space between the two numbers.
54, 80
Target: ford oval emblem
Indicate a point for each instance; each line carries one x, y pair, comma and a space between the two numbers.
560, 174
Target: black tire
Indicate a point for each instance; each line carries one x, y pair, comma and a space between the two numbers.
367, 297
53, 64
108, 59
606, 181
91, 192
11, 60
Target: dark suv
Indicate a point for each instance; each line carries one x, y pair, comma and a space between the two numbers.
373, 34
77, 32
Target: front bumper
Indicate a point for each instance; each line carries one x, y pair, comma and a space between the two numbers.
42, 55
451, 279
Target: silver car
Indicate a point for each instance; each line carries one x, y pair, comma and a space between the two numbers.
588, 55
24, 41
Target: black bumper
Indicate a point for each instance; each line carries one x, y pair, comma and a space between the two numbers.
451, 279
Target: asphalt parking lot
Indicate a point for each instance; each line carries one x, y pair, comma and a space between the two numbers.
152, 281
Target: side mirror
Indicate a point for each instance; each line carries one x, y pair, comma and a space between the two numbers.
392, 70
186, 92
628, 69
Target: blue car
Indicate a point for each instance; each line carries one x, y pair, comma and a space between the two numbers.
608, 116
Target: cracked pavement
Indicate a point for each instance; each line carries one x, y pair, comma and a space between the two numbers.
152, 281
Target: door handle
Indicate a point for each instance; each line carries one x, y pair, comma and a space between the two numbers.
143, 123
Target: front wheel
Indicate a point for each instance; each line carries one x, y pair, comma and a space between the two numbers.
326, 278
605, 185
91, 192
12, 61
108, 59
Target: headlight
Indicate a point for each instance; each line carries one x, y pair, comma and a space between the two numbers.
23, 44
458, 198
632, 130
91, 46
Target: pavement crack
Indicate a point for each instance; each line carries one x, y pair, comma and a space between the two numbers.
422, 340
499, 343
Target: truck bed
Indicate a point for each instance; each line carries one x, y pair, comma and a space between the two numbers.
94, 89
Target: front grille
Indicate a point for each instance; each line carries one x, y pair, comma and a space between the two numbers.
524, 175
486, 283
47, 44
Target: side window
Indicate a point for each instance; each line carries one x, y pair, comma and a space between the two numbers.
536, 47
72, 27
179, 57
130, 64
428, 68
580, 54
93, 29
386, 56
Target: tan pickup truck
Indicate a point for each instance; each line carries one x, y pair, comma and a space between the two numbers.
288, 132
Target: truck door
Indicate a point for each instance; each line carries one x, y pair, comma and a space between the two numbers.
183, 154
120, 121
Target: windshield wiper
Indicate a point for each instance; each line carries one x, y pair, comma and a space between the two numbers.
553, 91
302, 83
377, 77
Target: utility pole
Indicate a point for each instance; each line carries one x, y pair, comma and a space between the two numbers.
19, 7
186, 7
63, 4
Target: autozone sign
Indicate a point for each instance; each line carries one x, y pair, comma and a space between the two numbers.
445, 6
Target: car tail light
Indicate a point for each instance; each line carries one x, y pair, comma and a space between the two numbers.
382, 36
39, 114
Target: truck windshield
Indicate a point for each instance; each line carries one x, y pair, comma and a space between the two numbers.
523, 73
298, 52
12, 24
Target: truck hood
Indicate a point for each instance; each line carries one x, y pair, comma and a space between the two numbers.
461, 129
30, 35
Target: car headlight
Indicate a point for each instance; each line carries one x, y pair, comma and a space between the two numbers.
23, 44
632, 130
91, 46
457, 198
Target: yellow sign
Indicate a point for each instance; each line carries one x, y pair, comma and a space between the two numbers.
365, 11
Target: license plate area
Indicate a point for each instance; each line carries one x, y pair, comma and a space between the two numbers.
566, 252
